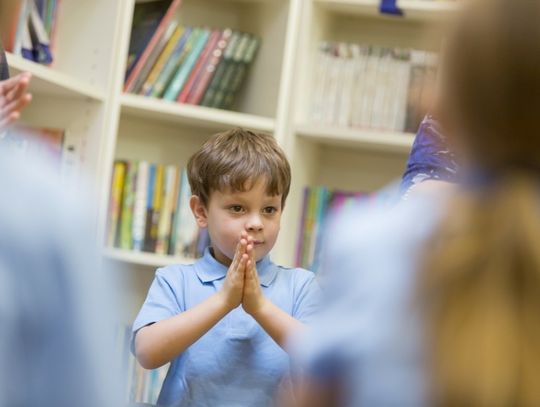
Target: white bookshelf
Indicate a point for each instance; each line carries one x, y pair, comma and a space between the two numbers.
418, 10
144, 259
196, 116
82, 92
49, 81
360, 139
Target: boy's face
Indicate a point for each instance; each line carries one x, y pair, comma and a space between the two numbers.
229, 213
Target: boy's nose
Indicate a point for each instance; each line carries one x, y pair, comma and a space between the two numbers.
254, 225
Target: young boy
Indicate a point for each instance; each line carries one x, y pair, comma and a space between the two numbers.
223, 321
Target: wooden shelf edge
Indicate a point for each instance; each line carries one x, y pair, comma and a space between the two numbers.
358, 138
196, 115
144, 259
413, 9
44, 77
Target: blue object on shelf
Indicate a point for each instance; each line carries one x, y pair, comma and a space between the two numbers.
390, 7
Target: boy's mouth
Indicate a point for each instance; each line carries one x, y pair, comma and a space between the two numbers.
258, 242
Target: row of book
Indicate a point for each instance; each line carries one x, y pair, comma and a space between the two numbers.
149, 210
32, 29
55, 146
371, 86
318, 203
140, 385
194, 65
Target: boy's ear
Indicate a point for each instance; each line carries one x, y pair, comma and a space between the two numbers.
199, 211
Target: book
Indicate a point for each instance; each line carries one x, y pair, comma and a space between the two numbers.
228, 54
152, 43
196, 72
230, 71
196, 94
181, 50
146, 18
186, 228
139, 207
181, 76
10, 12
128, 201
40, 38
115, 202
42, 142
240, 73
164, 226
147, 245
149, 62
162, 60
157, 205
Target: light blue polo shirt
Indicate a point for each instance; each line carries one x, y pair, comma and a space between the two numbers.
236, 363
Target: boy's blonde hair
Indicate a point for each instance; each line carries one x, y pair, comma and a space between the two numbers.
234, 159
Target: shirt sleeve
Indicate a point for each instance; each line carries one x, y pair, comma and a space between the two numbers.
307, 302
162, 301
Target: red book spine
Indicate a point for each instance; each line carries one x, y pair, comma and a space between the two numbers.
201, 63
128, 86
196, 95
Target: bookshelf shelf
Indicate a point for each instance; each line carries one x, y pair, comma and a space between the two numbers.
47, 81
199, 116
413, 9
361, 139
144, 259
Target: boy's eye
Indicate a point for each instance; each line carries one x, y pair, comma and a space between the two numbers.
269, 210
236, 208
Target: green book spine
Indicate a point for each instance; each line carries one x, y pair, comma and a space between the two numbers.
240, 73
229, 74
127, 207
182, 74
221, 68
174, 62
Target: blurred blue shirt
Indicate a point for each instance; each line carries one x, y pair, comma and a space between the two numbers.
236, 363
54, 308
369, 336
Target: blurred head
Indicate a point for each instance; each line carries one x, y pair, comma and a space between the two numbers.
240, 181
480, 283
491, 84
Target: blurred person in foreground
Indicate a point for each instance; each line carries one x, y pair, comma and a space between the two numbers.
437, 302
14, 94
55, 306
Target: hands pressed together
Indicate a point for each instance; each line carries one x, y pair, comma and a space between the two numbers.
241, 286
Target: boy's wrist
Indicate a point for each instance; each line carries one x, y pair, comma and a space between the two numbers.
261, 310
223, 303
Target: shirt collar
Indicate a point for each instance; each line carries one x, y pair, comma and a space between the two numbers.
209, 269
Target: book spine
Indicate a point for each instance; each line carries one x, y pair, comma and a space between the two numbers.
181, 76
197, 70
173, 63
147, 245
126, 242
139, 209
164, 226
210, 93
128, 87
115, 202
157, 206
160, 63
151, 60
196, 95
